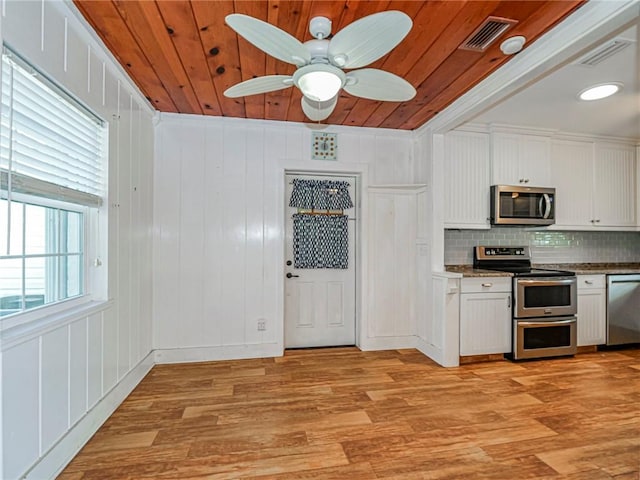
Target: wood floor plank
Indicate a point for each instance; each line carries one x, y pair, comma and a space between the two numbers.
346, 414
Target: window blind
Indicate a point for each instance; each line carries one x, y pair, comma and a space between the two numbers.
50, 145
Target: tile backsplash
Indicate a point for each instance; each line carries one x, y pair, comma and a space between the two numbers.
547, 246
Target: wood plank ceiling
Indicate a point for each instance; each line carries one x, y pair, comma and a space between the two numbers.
182, 55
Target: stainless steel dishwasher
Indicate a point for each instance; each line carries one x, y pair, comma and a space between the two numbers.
623, 309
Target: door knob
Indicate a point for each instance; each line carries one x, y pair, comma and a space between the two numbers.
290, 275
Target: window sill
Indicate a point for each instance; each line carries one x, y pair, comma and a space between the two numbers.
31, 324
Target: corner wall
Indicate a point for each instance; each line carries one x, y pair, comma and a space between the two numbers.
61, 380
219, 219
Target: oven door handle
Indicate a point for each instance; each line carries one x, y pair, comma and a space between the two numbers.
546, 324
546, 283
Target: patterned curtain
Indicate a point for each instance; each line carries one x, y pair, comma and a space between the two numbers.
320, 241
321, 194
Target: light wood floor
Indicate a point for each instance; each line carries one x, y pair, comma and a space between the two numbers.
346, 414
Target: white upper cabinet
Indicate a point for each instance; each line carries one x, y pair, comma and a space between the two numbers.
615, 184
595, 185
520, 159
572, 171
466, 189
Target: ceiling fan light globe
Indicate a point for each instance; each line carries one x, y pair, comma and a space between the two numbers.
319, 82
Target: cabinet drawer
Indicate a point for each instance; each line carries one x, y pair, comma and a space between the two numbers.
485, 284
589, 282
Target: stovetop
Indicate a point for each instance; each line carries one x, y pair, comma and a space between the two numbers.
516, 260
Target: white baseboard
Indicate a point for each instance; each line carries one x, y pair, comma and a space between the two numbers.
388, 343
209, 354
57, 458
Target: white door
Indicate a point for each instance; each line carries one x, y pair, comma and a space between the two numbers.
319, 302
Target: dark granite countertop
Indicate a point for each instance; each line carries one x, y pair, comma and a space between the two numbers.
577, 268
469, 271
595, 268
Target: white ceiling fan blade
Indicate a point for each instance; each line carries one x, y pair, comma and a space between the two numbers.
270, 83
366, 40
316, 111
271, 40
377, 84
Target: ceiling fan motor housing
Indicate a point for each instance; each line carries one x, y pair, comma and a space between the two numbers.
318, 49
320, 27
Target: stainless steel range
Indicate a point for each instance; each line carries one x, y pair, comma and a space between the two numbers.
544, 303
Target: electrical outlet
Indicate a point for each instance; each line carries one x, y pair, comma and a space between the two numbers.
262, 325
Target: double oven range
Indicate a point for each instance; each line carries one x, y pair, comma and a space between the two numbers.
544, 303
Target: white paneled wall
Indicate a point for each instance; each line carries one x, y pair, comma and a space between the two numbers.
61, 379
219, 213
392, 265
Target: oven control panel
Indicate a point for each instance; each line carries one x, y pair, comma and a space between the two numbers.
502, 253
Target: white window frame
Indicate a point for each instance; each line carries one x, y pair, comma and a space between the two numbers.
94, 276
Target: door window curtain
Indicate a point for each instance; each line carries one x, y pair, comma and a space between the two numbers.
320, 241
320, 195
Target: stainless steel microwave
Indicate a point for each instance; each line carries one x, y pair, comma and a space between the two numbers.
516, 205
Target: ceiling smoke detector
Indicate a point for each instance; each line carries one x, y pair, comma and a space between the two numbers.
512, 45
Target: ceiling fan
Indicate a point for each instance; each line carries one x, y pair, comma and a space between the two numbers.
322, 61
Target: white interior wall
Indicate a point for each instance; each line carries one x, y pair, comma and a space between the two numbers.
62, 380
219, 213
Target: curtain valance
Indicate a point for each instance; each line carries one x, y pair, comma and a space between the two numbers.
321, 194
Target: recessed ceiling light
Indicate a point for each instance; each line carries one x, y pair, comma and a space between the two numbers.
597, 92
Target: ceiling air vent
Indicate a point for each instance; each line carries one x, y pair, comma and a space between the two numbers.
603, 52
486, 33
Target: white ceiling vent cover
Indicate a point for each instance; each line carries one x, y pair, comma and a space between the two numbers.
487, 33
603, 52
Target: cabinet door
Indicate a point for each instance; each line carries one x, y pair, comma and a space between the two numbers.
572, 171
466, 180
505, 163
485, 323
535, 161
591, 317
615, 183
518, 159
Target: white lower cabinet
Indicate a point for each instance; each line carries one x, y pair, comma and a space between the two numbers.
592, 310
485, 315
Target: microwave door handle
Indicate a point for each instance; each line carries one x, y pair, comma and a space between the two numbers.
547, 205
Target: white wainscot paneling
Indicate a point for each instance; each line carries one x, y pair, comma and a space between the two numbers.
192, 295
78, 370
219, 206
393, 160
54, 41
234, 246
21, 27
54, 366
109, 350
123, 252
94, 359
20, 409
392, 263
